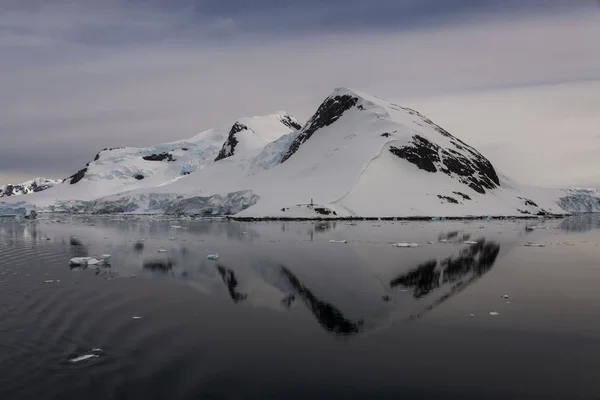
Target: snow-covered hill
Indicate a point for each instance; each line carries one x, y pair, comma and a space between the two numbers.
357, 156
118, 170
33, 186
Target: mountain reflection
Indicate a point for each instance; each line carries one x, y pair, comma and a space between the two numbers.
475, 260
231, 282
162, 266
328, 316
581, 223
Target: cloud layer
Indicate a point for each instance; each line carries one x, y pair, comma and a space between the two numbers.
81, 76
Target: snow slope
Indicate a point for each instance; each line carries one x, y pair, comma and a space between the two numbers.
32, 186
357, 156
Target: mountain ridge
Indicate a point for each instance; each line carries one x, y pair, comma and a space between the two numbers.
357, 156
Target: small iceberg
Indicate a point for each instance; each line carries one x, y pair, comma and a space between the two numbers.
162, 250
79, 261
338, 241
404, 244
94, 353
469, 242
212, 257
534, 245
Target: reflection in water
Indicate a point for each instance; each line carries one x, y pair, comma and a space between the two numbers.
344, 304
78, 249
454, 236
581, 223
231, 282
476, 260
288, 300
329, 316
162, 266
138, 246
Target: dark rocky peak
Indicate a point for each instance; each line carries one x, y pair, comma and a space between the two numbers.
290, 122
332, 108
78, 176
159, 157
228, 148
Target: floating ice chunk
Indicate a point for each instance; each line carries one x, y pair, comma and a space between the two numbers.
105, 257
443, 240
505, 296
534, 245
472, 315
213, 257
404, 244
430, 243
494, 313
435, 219
469, 242
79, 261
136, 317
94, 353
176, 227
52, 281
82, 358
93, 261
162, 250
338, 241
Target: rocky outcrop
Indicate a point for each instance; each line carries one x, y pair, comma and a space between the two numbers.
328, 112
228, 148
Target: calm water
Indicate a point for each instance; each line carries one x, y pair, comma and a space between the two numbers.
285, 313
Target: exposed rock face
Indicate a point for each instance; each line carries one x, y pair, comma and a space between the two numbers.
32, 186
76, 177
228, 148
472, 169
327, 113
290, 122
159, 157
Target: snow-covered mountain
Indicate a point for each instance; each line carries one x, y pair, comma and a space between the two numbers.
33, 186
357, 156
117, 170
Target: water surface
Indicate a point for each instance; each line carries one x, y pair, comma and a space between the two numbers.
286, 313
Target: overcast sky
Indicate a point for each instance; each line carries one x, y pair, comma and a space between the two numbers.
518, 79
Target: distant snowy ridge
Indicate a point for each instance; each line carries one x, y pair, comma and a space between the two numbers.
123, 169
32, 186
357, 156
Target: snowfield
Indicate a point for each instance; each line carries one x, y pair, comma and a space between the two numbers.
357, 156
